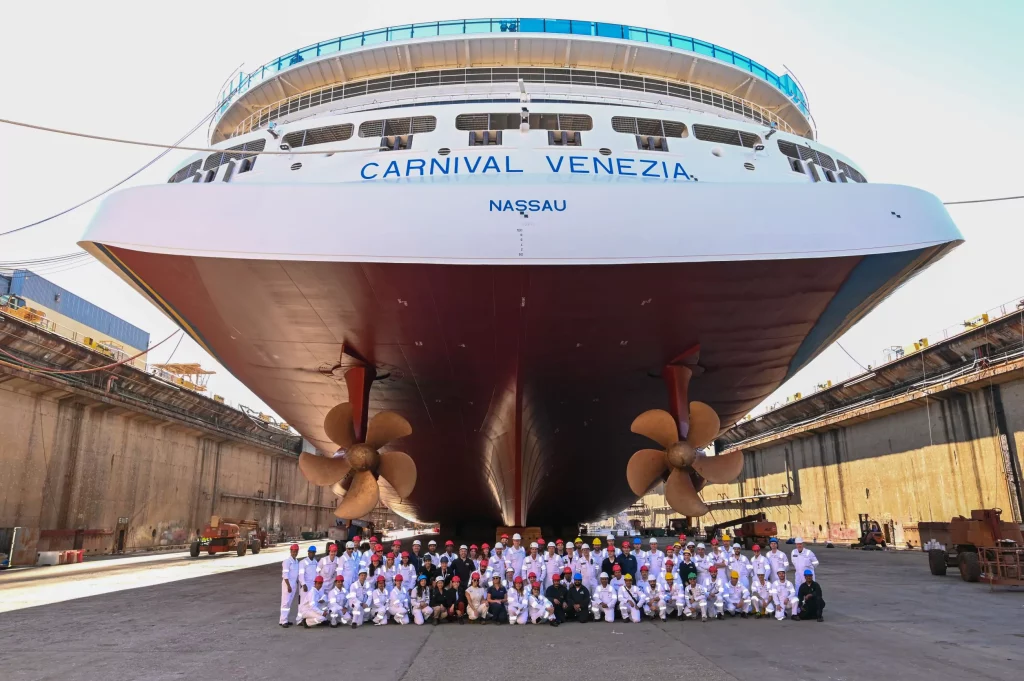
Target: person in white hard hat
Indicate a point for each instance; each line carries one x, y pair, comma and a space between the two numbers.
553, 565
359, 598
327, 567
518, 602
604, 601
498, 560
654, 601
588, 567
419, 601
337, 602
434, 555
398, 601
803, 559
776, 559
348, 563
631, 600
739, 564
416, 556
289, 584
703, 563
509, 581
783, 596
313, 605
516, 553
533, 563
761, 595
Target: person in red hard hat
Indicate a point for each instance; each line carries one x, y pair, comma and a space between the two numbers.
540, 607
715, 593
380, 599
313, 605
449, 552
476, 599
518, 602
398, 601
455, 600
289, 584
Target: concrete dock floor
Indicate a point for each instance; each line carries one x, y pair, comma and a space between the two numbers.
887, 617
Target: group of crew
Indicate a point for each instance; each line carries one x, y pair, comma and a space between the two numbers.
553, 583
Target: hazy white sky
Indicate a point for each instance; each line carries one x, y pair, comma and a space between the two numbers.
919, 93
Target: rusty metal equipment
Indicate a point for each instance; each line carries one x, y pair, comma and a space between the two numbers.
753, 529
223, 535
871, 535
983, 547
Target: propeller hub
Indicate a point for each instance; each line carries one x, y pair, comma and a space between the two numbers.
680, 454
362, 457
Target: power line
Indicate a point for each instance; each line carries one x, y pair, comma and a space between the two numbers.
851, 357
998, 198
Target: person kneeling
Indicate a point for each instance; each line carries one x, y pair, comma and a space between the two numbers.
439, 611
558, 596
518, 602
455, 600
578, 598
812, 605
497, 599
476, 599
540, 607
313, 605
631, 600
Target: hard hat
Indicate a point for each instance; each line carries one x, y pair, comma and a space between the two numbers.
421, 577
294, 547
455, 579
808, 572
339, 577
676, 545
381, 578
687, 552
610, 537
485, 545
514, 536
535, 585
761, 571
669, 575
399, 578
374, 540
625, 544
498, 545
311, 548
532, 576
319, 579
429, 557
629, 577
405, 554
799, 540
350, 545
682, 537
670, 562
734, 574
510, 568
356, 538
577, 540
534, 545
714, 542
773, 539
483, 563
517, 580
396, 542
597, 541
444, 559
736, 546
559, 541
462, 547
475, 575
690, 543
644, 568
431, 543
616, 568
700, 545
439, 578
390, 555
362, 570
638, 541
472, 546
578, 576
692, 575
540, 540
449, 543
713, 568
653, 540
417, 543
332, 545
585, 546
567, 570
755, 547
781, 571
556, 575
504, 536
653, 578
378, 547
603, 575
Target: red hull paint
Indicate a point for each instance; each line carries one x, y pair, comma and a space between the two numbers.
520, 382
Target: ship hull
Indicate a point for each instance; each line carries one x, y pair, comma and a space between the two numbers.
519, 367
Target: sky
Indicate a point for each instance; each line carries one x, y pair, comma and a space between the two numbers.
918, 93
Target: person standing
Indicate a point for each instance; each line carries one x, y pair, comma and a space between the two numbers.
812, 605
739, 564
578, 598
407, 571
432, 551
803, 559
307, 570
497, 601
348, 563
327, 567
516, 553
588, 567
627, 561
449, 552
416, 556
703, 563
533, 563
289, 584
758, 562
777, 560
499, 561
654, 558
463, 565
553, 564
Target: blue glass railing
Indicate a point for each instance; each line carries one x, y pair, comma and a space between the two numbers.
783, 83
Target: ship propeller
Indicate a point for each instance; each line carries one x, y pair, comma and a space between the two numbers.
361, 462
647, 466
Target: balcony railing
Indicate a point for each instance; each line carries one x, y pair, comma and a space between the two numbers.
245, 82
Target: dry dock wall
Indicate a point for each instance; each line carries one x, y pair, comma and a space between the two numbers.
929, 462
93, 475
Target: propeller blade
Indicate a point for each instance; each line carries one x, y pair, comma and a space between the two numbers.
658, 425
644, 469
338, 425
323, 470
385, 427
704, 425
361, 497
399, 470
719, 469
680, 495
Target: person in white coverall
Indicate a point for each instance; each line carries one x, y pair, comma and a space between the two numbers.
553, 564
337, 602
604, 600
540, 607
313, 605
359, 599
518, 602
803, 559
761, 596
533, 563
672, 595
289, 584
758, 562
783, 595
631, 601
654, 559
327, 567
588, 566
307, 570
696, 599
398, 601
654, 602
736, 596
516, 554
703, 562
419, 601
715, 592
380, 600
348, 563
776, 559
739, 564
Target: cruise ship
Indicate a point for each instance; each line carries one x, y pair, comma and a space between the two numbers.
514, 272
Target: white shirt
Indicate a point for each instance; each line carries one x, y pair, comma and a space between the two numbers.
349, 566
290, 569
804, 560
534, 565
605, 595
307, 572
327, 568
516, 557
778, 561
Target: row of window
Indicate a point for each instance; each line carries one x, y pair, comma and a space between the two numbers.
485, 129
419, 79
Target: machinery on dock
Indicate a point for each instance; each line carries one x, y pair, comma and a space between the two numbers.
224, 535
753, 529
982, 547
871, 535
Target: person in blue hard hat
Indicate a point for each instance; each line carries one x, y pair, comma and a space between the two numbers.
812, 605
307, 570
419, 600
578, 598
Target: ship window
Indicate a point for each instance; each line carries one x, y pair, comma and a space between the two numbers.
738, 138
648, 126
331, 133
483, 138
651, 143
210, 175
829, 175
852, 172
814, 156
795, 165
186, 172
397, 126
512, 121
236, 152
564, 138
246, 165
395, 142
